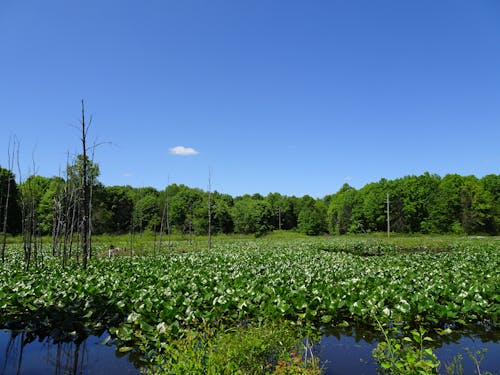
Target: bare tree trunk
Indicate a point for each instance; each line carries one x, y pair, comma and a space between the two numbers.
85, 195
90, 204
191, 225
26, 230
33, 214
388, 218
71, 228
154, 239
21, 351
58, 224
6, 206
132, 232
209, 211
162, 228
162, 223
168, 214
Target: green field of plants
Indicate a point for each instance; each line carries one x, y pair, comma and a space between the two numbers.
160, 305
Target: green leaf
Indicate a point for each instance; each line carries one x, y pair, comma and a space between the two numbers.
386, 365
326, 319
106, 340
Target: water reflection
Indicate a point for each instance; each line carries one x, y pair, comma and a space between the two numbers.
348, 350
24, 353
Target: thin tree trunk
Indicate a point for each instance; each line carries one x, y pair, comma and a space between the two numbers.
154, 239
90, 205
25, 219
162, 223
191, 225
168, 214
388, 218
209, 212
85, 195
55, 226
6, 206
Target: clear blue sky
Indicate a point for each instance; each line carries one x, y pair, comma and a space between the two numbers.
286, 96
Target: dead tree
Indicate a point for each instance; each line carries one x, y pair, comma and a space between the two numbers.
28, 218
163, 217
209, 211
168, 218
10, 166
85, 194
91, 194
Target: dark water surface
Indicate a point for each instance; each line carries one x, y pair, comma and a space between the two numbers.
25, 355
341, 351
349, 350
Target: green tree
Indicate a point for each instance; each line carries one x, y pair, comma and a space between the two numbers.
222, 221
418, 196
445, 213
13, 210
252, 215
477, 206
312, 218
284, 209
344, 212
113, 209
74, 171
42, 192
187, 209
147, 209
491, 184
373, 213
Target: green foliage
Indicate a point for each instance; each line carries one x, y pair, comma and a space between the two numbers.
285, 209
477, 206
75, 171
311, 220
184, 205
418, 204
254, 349
491, 184
146, 212
113, 209
477, 357
149, 303
409, 354
252, 216
222, 222
455, 367
13, 209
342, 216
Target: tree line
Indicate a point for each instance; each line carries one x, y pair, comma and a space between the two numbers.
418, 204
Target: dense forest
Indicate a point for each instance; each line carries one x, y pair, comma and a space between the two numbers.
417, 204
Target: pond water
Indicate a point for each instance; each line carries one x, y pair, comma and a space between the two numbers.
23, 354
349, 350
341, 351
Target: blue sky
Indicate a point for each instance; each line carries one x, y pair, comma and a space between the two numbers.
296, 97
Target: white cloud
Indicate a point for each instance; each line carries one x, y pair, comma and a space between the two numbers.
348, 178
181, 150
127, 174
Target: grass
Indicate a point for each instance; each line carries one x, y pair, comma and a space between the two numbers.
270, 347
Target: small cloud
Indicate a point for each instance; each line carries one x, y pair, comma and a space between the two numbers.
127, 174
348, 178
184, 151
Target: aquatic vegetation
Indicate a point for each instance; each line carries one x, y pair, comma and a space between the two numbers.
148, 301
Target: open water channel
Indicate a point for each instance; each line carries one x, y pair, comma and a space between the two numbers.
23, 354
341, 351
